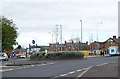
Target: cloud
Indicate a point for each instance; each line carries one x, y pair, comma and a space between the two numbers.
41, 16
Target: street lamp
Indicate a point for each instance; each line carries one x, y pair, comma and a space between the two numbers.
81, 36
97, 29
52, 36
81, 30
97, 44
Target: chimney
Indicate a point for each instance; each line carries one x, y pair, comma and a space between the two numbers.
114, 37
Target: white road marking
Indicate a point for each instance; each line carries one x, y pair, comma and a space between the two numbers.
78, 70
84, 68
43, 64
51, 63
63, 75
6, 70
71, 72
102, 64
25, 67
84, 71
32, 65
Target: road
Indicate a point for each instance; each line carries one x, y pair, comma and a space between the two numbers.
63, 68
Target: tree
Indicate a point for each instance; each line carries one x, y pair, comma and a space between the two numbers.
9, 33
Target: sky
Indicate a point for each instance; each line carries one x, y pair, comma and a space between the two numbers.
37, 19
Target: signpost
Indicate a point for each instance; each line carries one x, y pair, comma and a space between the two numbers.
14, 55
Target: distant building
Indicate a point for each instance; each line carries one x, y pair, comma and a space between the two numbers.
68, 46
104, 45
36, 48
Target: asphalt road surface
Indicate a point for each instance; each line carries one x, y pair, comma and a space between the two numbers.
67, 68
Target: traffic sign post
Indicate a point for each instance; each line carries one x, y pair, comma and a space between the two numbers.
14, 55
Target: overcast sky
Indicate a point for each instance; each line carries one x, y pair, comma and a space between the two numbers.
37, 19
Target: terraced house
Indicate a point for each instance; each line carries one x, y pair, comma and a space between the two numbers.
68, 46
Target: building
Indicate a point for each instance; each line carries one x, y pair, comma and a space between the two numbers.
104, 45
69, 46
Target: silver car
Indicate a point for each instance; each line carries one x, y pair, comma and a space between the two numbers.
3, 56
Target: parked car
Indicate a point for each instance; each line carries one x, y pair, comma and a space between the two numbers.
3, 56
21, 56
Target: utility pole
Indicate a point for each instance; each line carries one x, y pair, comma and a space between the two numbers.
81, 36
61, 34
56, 36
97, 29
81, 30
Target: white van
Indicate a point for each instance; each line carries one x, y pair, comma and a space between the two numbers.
3, 56
113, 50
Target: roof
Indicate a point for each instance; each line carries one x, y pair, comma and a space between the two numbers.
117, 40
20, 50
58, 45
45, 47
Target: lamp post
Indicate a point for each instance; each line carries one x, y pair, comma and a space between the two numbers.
81, 36
56, 36
52, 36
61, 34
97, 44
81, 30
97, 30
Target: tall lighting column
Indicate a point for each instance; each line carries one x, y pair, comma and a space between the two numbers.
81, 36
81, 30
61, 34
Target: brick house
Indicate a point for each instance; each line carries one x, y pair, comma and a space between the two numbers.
104, 45
68, 46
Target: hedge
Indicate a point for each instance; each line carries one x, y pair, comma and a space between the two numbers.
57, 55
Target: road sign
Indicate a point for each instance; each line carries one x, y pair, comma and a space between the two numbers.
33, 41
13, 54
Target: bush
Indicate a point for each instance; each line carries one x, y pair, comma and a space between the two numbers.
58, 55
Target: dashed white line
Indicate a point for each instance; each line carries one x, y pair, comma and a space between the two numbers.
102, 64
71, 72
25, 67
84, 71
63, 75
79, 70
19, 68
